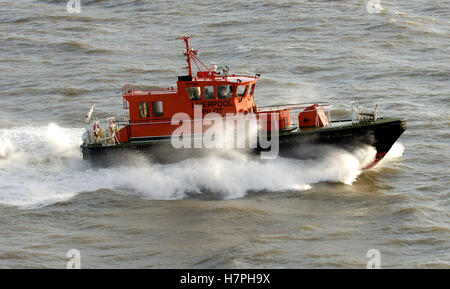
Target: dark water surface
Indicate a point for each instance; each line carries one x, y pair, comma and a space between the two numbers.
218, 212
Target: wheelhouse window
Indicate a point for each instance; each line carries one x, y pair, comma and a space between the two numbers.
251, 90
241, 90
157, 108
208, 92
194, 93
225, 91
144, 109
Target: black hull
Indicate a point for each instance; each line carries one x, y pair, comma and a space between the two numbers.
381, 134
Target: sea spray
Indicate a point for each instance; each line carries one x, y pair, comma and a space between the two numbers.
48, 168
395, 152
60, 141
6, 147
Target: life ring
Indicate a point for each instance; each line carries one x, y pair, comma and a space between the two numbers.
98, 133
95, 129
114, 129
113, 125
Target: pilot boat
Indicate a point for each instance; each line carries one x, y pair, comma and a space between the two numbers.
158, 119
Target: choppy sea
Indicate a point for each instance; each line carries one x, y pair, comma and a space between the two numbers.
234, 211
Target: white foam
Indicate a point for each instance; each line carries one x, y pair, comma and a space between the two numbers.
61, 141
6, 147
396, 151
43, 165
394, 154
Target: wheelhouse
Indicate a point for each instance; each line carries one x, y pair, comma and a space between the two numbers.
151, 111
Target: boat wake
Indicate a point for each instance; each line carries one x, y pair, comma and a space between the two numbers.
41, 166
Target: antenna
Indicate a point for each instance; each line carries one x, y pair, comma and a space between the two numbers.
191, 55
188, 53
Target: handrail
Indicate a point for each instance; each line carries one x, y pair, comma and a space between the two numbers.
296, 105
291, 107
122, 122
170, 89
127, 90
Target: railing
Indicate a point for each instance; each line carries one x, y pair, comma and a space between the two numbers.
127, 90
110, 134
295, 108
358, 113
104, 131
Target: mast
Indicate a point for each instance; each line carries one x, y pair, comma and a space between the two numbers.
191, 55
188, 53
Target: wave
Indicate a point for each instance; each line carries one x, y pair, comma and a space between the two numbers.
394, 154
78, 46
40, 166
